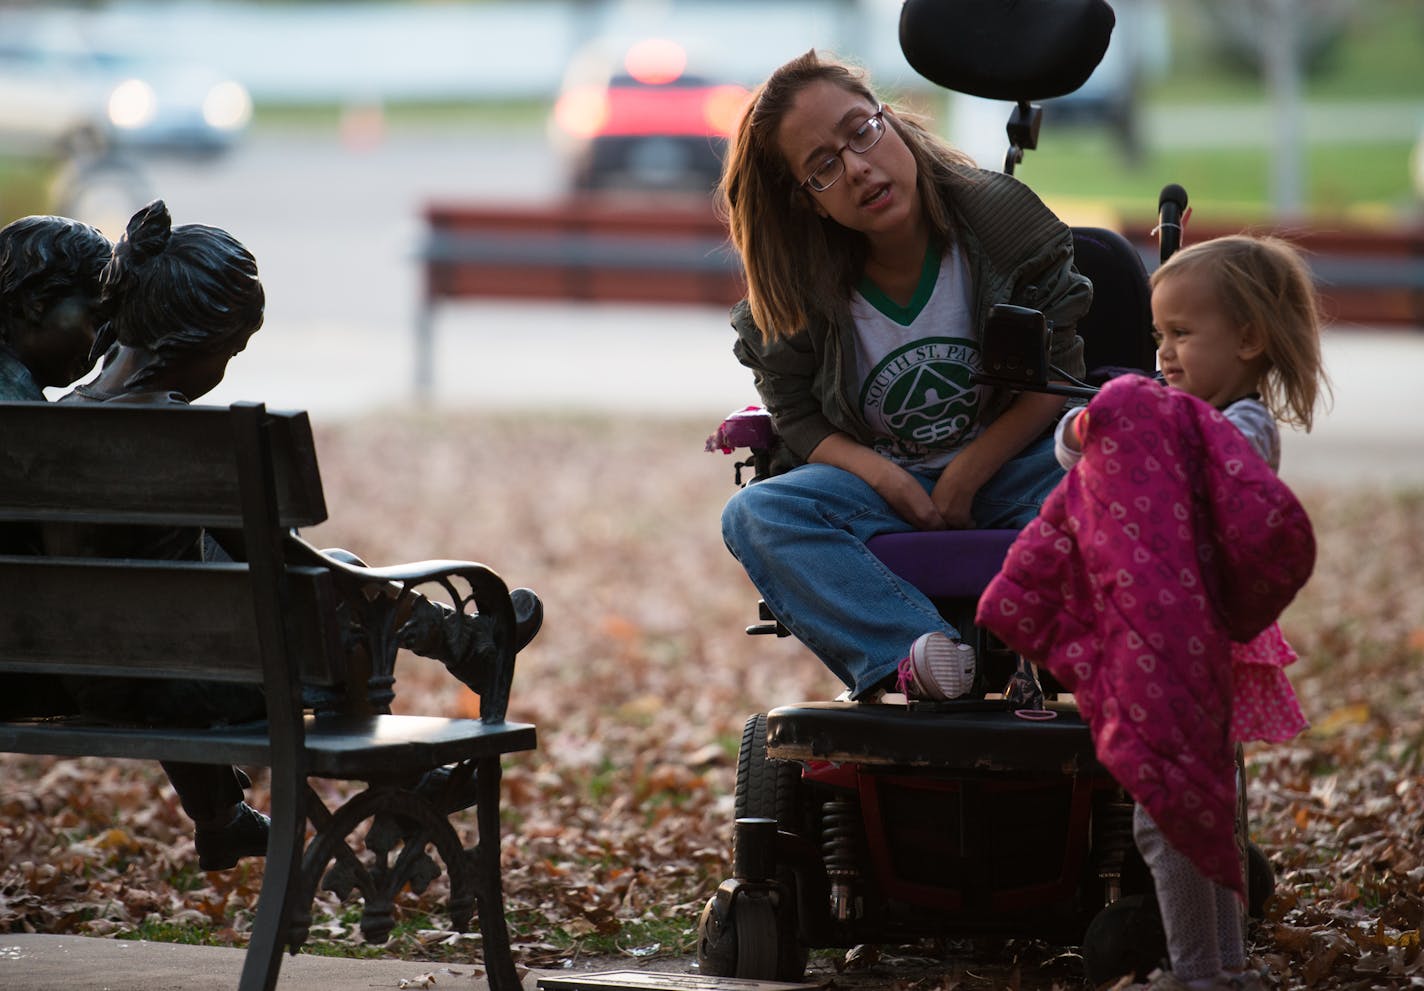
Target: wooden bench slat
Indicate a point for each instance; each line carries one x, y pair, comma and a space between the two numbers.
175, 619
337, 747
106, 462
340, 743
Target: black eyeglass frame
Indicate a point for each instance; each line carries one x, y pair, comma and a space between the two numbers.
838, 156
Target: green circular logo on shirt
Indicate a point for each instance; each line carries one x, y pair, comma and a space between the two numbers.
924, 395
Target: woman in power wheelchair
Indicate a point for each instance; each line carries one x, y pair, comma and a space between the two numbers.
886, 823
872, 253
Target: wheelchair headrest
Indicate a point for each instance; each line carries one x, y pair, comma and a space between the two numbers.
1006, 49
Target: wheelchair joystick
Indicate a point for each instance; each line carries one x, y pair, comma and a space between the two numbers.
1172, 216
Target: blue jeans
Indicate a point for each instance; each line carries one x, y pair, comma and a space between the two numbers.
801, 538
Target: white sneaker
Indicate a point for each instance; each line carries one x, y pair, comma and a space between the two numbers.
938, 669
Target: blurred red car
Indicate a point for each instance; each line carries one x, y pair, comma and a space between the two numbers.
644, 123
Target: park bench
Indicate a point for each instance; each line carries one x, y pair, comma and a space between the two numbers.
319, 635
586, 249
646, 250
1371, 276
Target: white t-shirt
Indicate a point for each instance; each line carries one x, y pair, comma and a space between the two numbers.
916, 364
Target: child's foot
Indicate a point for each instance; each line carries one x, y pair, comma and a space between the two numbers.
938, 669
1165, 980
224, 841
1246, 980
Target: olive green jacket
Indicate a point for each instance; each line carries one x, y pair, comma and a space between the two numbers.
1017, 252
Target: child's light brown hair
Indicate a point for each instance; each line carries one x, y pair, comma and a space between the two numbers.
1264, 283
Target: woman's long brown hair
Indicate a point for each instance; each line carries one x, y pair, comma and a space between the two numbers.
799, 265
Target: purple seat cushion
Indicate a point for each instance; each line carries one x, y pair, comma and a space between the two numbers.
945, 563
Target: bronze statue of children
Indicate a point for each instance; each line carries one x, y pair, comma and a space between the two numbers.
49, 303
49, 315
184, 300
179, 318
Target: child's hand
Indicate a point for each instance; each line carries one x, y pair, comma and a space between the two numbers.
1075, 430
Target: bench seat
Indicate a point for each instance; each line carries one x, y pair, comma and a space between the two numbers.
336, 746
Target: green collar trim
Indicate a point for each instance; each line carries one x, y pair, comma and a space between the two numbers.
924, 289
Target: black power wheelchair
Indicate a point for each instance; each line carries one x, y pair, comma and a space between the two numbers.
883, 823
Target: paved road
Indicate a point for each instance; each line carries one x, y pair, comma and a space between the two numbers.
335, 228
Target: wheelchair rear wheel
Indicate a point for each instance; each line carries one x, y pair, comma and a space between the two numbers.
766, 789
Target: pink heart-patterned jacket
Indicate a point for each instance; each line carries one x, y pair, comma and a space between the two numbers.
1168, 541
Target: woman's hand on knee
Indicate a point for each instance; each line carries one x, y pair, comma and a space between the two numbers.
954, 501
901, 490
909, 499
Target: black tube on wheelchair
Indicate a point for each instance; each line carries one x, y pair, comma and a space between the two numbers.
754, 849
1051, 388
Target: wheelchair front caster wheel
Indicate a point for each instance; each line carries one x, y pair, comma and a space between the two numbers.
716, 942
743, 942
1124, 938
757, 939
1260, 881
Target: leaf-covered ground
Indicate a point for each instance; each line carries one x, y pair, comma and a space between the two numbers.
619, 824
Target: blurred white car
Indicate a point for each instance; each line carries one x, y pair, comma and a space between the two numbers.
59, 94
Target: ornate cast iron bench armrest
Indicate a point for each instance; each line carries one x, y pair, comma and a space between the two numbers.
457, 612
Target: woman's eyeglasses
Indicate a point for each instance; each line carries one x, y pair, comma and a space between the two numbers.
866, 137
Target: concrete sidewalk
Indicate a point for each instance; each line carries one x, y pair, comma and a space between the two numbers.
31, 962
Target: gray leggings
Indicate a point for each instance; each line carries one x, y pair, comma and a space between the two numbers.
1202, 919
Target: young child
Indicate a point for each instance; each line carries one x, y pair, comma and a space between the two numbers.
49, 315
1237, 326
49, 303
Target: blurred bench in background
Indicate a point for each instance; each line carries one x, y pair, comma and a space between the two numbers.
1365, 275
651, 250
